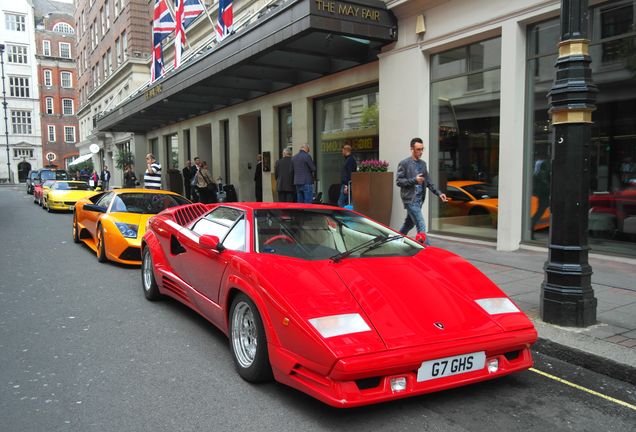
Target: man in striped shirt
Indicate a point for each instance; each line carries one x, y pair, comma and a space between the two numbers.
152, 176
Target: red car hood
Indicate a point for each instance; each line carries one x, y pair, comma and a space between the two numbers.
401, 298
404, 302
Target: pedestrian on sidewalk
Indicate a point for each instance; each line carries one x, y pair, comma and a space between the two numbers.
152, 176
284, 173
412, 179
105, 178
304, 171
258, 178
187, 178
349, 166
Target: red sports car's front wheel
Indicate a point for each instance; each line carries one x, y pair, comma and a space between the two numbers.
248, 343
151, 290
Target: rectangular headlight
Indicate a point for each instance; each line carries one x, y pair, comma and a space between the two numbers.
496, 306
336, 325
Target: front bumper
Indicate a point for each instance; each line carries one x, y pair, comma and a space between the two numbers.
365, 379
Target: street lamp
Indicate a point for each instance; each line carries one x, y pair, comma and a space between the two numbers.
567, 297
6, 121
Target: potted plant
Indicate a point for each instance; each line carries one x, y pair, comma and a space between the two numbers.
372, 189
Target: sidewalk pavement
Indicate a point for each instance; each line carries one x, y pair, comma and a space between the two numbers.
608, 347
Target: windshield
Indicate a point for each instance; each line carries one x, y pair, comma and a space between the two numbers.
62, 185
53, 175
482, 190
145, 203
324, 234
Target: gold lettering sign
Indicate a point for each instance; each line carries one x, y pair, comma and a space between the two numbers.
150, 93
346, 9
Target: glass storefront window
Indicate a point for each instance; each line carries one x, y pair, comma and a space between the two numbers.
612, 199
350, 118
284, 129
464, 142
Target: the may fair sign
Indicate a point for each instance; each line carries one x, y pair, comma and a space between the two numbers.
363, 11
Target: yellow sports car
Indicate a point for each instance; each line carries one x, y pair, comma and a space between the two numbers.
63, 194
112, 223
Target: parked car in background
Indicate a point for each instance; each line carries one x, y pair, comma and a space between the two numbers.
31, 177
112, 223
51, 174
39, 189
63, 194
332, 303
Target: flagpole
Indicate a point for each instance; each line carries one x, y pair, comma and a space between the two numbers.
174, 17
208, 15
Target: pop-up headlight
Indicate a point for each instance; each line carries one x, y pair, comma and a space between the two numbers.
496, 306
336, 325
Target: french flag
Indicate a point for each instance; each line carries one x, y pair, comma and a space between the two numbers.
225, 20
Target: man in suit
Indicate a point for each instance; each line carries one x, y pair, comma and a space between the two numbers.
105, 178
187, 178
304, 172
284, 174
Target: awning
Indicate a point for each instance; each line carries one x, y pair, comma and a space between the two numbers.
295, 42
81, 159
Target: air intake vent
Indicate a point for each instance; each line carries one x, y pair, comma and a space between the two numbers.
187, 214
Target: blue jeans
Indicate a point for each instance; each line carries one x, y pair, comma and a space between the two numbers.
343, 199
414, 218
305, 193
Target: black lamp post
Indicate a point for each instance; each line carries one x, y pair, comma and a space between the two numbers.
567, 297
6, 121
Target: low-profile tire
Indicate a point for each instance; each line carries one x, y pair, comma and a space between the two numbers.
101, 245
148, 281
48, 207
248, 342
76, 236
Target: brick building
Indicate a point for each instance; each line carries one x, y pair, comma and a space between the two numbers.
57, 76
113, 49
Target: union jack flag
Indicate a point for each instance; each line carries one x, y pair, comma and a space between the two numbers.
163, 23
225, 19
157, 70
191, 10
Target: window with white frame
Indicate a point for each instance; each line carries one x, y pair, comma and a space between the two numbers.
116, 8
17, 54
23, 153
66, 79
63, 27
65, 50
103, 19
15, 22
69, 134
46, 47
49, 105
124, 46
19, 87
109, 60
48, 78
21, 122
51, 129
67, 107
107, 13
117, 51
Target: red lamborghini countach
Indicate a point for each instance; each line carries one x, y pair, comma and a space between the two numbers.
332, 303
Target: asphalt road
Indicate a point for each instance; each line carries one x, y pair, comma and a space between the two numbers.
82, 350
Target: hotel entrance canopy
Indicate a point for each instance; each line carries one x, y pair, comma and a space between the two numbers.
294, 42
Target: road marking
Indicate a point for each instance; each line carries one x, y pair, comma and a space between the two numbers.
585, 389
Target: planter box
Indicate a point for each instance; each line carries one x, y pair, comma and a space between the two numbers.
373, 194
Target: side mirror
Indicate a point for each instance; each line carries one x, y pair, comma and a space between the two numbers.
94, 208
210, 242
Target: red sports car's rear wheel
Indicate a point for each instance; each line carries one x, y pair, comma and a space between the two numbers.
248, 342
151, 290
101, 247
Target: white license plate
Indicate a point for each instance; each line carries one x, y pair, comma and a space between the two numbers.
71, 208
448, 366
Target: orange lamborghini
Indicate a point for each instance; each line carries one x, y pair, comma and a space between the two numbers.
112, 223
475, 198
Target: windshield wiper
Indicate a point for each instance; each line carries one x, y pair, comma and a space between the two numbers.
366, 246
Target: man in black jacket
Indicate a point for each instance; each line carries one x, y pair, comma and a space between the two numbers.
413, 179
349, 166
284, 174
187, 178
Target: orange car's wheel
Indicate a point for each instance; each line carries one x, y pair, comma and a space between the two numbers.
76, 237
101, 246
